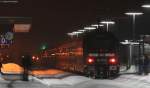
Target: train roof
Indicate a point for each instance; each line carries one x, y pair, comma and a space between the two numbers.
104, 34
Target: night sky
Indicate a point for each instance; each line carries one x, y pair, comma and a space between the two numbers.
52, 19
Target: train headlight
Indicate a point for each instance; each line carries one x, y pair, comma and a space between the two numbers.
112, 60
33, 57
90, 60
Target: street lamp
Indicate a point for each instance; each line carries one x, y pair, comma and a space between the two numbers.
97, 25
107, 23
70, 34
77, 33
9, 1
74, 33
146, 6
81, 30
133, 14
89, 28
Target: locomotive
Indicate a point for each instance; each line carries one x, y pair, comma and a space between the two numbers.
95, 54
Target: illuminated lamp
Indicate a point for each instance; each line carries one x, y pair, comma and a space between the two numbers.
33, 57
146, 6
112, 61
90, 60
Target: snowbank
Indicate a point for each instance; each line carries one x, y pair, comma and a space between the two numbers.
123, 81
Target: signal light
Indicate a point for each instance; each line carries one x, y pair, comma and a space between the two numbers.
35, 58
90, 60
112, 61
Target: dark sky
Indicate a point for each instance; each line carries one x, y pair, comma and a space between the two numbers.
59, 17
52, 19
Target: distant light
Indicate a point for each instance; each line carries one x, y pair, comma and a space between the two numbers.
9, 1
90, 60
7, 56
43, 47
77, 32
74, 33
146, 6
70, 34
134, 13
53, 54
22, 56
126, 42
107, 22
22, 27
96, 25
37, 58
112, 61
90, 28
33, 57
81, 30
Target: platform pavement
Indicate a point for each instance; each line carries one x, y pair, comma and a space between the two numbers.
20, 84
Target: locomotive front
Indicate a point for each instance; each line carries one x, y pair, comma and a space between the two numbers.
101, 54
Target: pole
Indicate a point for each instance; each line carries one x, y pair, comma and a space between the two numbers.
133, 29
107, 26
130, 56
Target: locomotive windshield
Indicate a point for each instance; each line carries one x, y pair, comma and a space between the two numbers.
100, 41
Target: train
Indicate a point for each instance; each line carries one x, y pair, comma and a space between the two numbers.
95, 54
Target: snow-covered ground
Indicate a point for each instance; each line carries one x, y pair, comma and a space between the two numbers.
81, 82
123, 81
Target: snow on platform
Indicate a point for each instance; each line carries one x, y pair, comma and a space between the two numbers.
73, 80
82, 82
127, 79
100, 84
138, 81
123, 81
68, 80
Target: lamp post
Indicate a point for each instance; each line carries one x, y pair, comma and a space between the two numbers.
107, 23
133, 14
